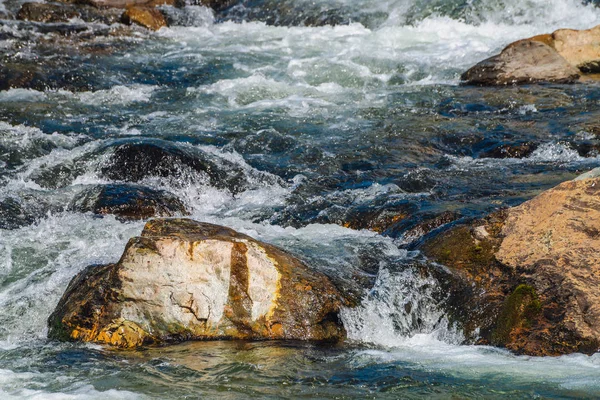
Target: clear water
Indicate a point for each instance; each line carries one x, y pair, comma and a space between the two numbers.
327, 126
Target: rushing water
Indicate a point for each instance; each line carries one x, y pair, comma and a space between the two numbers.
328, 113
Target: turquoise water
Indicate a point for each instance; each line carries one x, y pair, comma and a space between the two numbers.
310, 127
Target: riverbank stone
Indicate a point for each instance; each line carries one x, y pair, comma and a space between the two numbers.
184, 280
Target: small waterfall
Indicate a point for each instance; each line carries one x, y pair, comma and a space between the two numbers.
402, 309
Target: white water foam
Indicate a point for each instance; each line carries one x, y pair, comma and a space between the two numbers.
400, 311
547, 153
38, 261
120, 95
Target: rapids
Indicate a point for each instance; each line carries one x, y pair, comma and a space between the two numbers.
327, 113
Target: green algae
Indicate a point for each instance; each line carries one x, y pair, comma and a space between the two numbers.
520, 309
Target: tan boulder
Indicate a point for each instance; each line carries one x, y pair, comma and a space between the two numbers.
183, 279
580, 48
148, 17
525, 61
532, 272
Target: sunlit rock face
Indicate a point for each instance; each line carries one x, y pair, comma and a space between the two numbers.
559, 57
532, 272
183, 279
525, 61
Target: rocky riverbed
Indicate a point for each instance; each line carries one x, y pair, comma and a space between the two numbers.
440, 238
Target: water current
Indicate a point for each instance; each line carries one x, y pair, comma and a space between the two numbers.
329, 114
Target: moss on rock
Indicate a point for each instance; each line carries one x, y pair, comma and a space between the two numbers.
519, 311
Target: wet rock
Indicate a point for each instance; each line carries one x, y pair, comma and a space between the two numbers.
45, 12
134, 161
53, 13
129, 202
530, 273
510, 150
586, 149
148, 17
522, 62
183, 279
428, 223
378, 219
13, 215
21, 75
217, 5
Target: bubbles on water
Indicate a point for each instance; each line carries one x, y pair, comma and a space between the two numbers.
190, 15
118, 95
35, 385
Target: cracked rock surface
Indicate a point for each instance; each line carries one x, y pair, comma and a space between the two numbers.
183, 279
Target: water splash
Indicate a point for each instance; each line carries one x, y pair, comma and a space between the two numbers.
401, 310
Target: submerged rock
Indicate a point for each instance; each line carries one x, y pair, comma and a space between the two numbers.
183, 279
531, 272
129, 202
13, 215
218, 5
510, 150
525, 61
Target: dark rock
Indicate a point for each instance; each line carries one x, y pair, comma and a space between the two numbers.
510, 150
185, 280
21, 75
378, 219
13, 215
129, 202
45, 12
217, 5
134, 161
587, 149
413, 232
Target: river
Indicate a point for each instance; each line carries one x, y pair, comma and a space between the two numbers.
330, 113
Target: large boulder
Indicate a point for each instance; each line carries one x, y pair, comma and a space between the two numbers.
183, 279
541, 58
530, 273
525, 61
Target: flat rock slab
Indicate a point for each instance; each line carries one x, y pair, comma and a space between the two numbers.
183, 279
